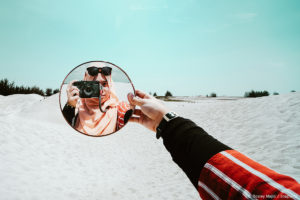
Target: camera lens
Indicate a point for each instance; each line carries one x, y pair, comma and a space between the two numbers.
88, 91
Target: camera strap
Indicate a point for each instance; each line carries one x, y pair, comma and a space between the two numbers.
100, 102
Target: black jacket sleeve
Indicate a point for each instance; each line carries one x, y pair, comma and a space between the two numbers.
190, 146
69, 113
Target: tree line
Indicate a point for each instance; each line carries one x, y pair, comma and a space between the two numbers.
8, 88
250, 94
254, 94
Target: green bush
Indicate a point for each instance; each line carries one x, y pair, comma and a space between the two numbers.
55, 91
8, 88
213, 94
168, 94
254, 94
48, 92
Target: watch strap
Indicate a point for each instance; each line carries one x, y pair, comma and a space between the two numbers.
163, 123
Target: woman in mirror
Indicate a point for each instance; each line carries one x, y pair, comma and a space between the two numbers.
85, 115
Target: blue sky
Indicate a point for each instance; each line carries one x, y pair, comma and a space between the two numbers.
188, 47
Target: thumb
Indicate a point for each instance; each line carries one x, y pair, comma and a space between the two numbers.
135, 100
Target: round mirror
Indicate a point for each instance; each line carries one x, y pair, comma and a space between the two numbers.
93, 98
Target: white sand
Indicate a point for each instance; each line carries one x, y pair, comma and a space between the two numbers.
43, 158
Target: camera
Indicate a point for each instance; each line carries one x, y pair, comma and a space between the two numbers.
88, 89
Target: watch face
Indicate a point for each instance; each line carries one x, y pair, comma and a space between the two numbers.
170, 115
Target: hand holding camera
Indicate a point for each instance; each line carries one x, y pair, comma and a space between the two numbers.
83, 89
73, 94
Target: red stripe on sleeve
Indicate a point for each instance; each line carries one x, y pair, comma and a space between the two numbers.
206, 193
285, 181
233, 175
220, 187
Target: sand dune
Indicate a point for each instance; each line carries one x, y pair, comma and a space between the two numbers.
43, 158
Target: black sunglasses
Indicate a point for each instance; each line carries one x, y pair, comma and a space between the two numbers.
93, 71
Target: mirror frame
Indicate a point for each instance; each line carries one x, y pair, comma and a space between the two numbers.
60, 106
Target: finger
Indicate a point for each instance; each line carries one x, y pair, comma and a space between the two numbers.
132, 107
74, 92
74, 98
136, 101
130, 96
74, 88
71, 84
143, 95
137, 112
134, 119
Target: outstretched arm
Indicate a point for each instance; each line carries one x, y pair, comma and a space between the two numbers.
216, 171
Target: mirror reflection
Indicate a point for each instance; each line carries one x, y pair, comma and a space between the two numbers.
93, 98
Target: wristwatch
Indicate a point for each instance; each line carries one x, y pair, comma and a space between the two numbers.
163, 123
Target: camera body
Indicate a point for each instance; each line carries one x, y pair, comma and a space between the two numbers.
88, 89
